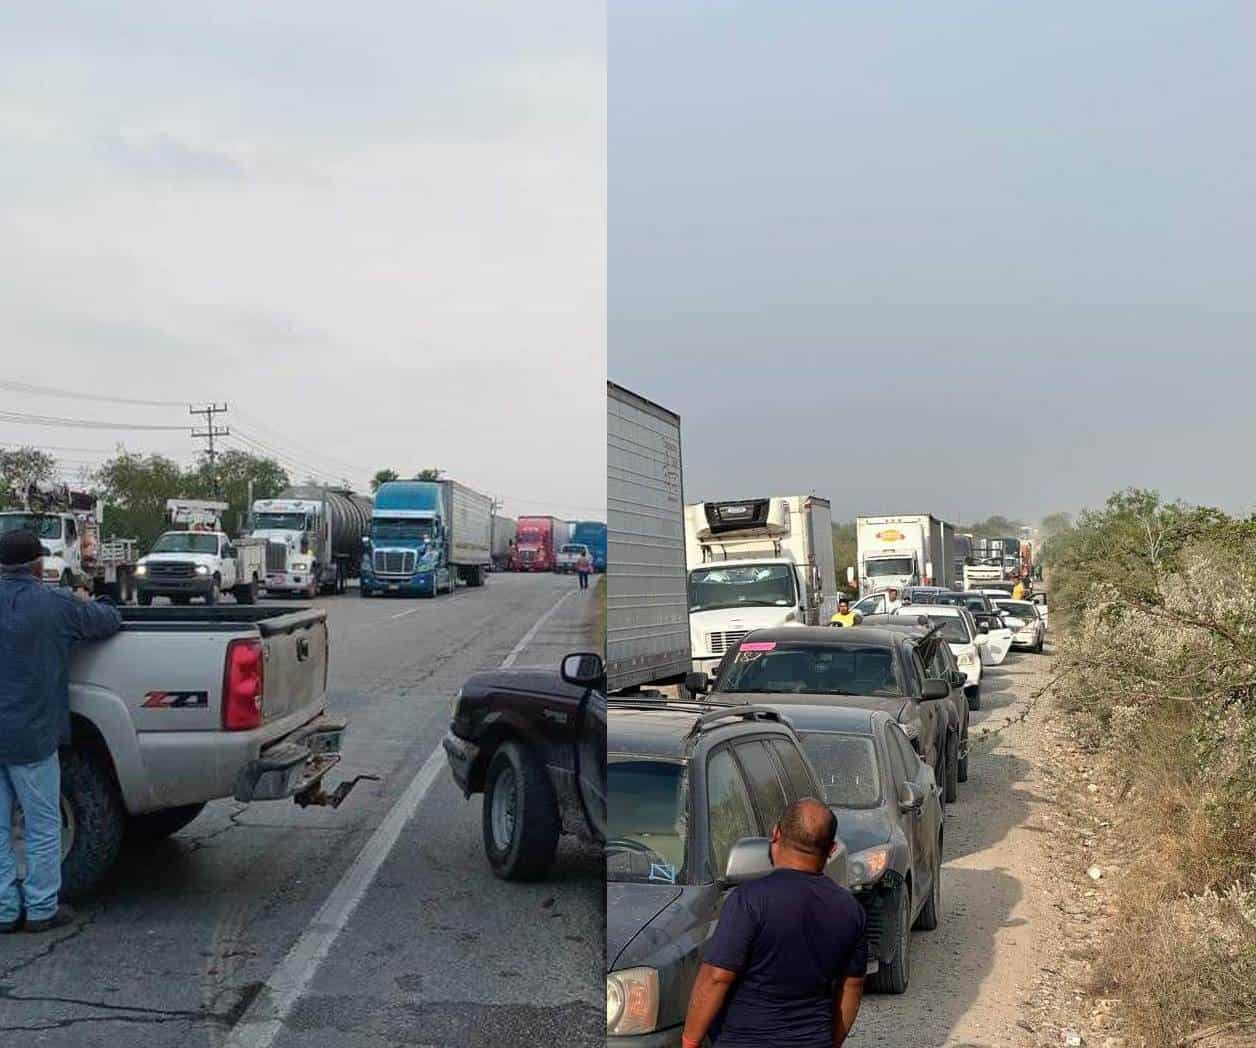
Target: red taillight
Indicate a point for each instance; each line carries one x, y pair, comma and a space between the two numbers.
242, 686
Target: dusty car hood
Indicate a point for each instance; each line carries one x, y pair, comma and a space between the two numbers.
629, 909
861, 828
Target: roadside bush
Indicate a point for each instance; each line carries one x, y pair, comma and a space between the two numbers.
1159, 677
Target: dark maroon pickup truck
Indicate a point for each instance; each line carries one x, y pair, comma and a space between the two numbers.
533, 741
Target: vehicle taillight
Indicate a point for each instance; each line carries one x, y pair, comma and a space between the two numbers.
242, 686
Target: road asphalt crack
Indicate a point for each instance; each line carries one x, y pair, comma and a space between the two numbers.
51, 947
233, 823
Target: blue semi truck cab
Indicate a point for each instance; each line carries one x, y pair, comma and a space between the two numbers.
425, 537
591, 533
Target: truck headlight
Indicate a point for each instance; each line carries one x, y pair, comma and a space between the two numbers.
300, 565
202, 569
632, 1001
141, 569
866, 867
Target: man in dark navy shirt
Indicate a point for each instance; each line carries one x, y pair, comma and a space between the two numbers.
786, 964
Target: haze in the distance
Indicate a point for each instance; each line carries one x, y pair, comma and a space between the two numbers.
964, 258
377, 231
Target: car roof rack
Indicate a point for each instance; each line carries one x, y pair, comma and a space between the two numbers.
744, 712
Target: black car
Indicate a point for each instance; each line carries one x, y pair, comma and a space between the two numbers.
864, 666
940, 664
533, 741
695, 791
889, 817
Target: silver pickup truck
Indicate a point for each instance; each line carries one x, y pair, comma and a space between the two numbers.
186, 706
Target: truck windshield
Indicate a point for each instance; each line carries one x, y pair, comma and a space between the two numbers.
45, 525
767, 585
846, 766
280, 522
647, 818
772, 667
186, 542
888, 566
400, 528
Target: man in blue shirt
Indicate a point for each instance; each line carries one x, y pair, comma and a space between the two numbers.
38, 626
786, 964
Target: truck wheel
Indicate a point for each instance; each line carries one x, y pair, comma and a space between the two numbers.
182, 601
92, 821
246, 594
892, 976
365, 591
520, 815
215, 591
952, 768
158, 825
145, 599
340, 579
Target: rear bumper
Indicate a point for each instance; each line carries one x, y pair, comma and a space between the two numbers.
287, 581
196, 586
293, 766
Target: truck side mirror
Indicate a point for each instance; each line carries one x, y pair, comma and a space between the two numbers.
585, 669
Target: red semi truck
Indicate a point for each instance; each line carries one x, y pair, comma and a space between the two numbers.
536, 541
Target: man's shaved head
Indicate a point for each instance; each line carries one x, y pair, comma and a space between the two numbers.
810, 827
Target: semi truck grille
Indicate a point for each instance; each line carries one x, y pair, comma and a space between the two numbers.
171, 569
394, 562
721, 642
527, 555
276, 556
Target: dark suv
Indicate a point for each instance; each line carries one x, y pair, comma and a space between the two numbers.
695, 789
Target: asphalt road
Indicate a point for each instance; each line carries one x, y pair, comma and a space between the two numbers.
408, 942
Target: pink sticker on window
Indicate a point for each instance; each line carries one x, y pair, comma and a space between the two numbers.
759, 645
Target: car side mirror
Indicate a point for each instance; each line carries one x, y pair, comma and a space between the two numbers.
584, 669
983, 627
910, 797
697, 683
935, 688
958, 678
749, 858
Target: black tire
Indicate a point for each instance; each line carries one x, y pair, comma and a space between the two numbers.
1038, 646
94, 819
963, 763
145, 599
158, 825
214, 593
246, 594
364, 591
181, 600
341, 582
973, 697
931, 911
524, 849
952, 768
893, 976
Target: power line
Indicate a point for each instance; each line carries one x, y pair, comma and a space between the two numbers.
13, 386
80, 423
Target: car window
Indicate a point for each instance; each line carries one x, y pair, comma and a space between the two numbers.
871, 605
898, 769
729, 814
937, 663
907, 759
797, 774
792, 668
847, 766
918, 671
765, 784
648, 820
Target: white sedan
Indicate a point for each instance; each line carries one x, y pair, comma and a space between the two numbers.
1026, 623
965, 641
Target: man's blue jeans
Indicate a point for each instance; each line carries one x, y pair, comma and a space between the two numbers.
36, 789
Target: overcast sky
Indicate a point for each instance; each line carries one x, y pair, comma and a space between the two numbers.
377, 230
844, 238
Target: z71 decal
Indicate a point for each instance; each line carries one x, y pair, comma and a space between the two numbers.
176, 700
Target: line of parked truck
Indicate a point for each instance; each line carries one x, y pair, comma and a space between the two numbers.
415, 538
730, 694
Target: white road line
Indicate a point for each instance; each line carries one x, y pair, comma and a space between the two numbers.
264, 1019
403, 614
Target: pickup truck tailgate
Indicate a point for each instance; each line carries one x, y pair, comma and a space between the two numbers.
295, 667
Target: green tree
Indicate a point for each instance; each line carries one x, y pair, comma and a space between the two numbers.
844, 548
1056, 524
383, 476
234, 470
428, 474
995, 527
19, 468
134, 488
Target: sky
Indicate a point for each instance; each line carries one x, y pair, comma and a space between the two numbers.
376, 231
963, 258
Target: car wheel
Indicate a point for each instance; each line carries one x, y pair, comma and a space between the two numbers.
145, 599
892, 976
158, 825
974, 697
927, 920
1038, 646
214, 592
952, 768
93, 821
520, 815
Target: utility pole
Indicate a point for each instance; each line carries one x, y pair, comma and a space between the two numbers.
208, 434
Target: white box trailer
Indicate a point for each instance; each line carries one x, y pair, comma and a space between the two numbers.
647, 603
906, 549
756, 564
504, 529
470, 527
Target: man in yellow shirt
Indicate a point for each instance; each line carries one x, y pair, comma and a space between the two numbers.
1018, 591
844, 616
